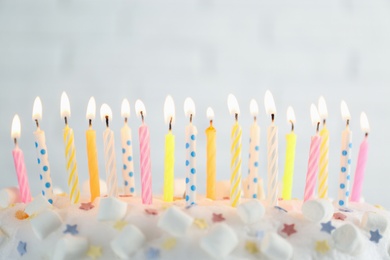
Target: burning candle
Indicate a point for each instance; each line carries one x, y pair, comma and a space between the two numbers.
361, 162
211, 152
70, 152
324, 151
169, 162
145, 162
92, 152
254, 147
272, 151
312, 168
291, 140
127, 151
42, 154
109, 152
345, 159
235, 151
190, 138
20, 167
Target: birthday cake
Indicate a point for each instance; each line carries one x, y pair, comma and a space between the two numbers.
124, 228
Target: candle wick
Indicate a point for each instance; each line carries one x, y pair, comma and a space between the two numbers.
170, 124
211, 122
324, 121
366, 134
142, 116
107, 124
292, 126
66, 120
254, 118
15, 141
273, 117
190, 118
125, 120
90, 122
347, 122
318, 127
37, 123
236, 117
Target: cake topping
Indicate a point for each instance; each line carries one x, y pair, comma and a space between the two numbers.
152, 253
120, 224
251, 247
289, 229
251, 211
128, 242
339, 216
22, 248
218, 218
111, 209
348, 240
94, 252
372, 221
45, 223
169, 243
317, 210
375, 236
322, 246
275, 247
220, 241
327, 227
151, 211
201, 223
86, 206
39, 204
175, 222
71, 229
70, 247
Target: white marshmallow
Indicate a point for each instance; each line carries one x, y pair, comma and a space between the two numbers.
179, 188
318, 210
276, 247
128, 242
3, 237
111, 208
220, 241
38, 205
70, 247
175, 222
45, 223
251, 211
347, 239
9, 196
373, 221
222, 189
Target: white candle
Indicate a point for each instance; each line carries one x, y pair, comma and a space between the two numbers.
127, 151
254, 147
190, 138
345, 158
109, 152
272, 151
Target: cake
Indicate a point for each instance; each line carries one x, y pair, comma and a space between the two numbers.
124, 228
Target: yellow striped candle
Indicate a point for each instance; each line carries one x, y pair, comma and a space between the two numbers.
93, 168
211, 151
70, 152
169, 162
235, 151
291, 140
324, 152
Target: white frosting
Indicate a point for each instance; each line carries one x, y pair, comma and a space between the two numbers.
220, 241
128, 242
70, 247
36, 206
175, 222
45, 223
275, 247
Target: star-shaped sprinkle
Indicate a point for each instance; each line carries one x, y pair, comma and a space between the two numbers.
375, 236
200, 223
327, 227
251, 247
169, 243
86, 206
94, 252
151, 211
120, 224
339, 216
345, 210
71, 229
152, 253
22, 248
322, 246
21, 215
289, 229
379, 206
280, 208
218, 218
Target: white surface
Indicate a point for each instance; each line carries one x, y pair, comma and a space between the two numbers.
203, 50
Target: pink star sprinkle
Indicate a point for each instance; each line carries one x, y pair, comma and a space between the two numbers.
151, 211
339, 216
218, 218
289, 229
86, 206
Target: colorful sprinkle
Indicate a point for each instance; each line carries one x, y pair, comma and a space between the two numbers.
289, 229
86, 206
218, 218
327, 227
375, 236
71, 229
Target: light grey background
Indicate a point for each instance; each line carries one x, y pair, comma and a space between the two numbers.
201, 49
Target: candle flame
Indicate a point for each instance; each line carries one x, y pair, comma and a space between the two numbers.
315, 117
91, 109
189, 107
105, 111
15, 129
345, 111
37, 109
210, 113
125, 108
269, 103
290, 115
253, 108
322, 108
169, 110
364, 123
65, 106
140, 107
233, 105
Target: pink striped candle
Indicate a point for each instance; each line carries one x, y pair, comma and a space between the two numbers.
361, 162
314, 155
144, 144
20, 167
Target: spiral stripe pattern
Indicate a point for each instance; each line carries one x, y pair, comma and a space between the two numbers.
71, 165
324, 155
146, 169
109, 155
21, 171
312, 169
235, 166
272, 159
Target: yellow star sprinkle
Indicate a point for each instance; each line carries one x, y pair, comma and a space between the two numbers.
200, 223
94, 252
379, 206
322, 246
251, 247
169, 243
120, 224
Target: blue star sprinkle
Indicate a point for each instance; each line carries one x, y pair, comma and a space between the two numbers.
152, 253
327, 227
280, 208
22, 248
375, 236
71, 229
345, 210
